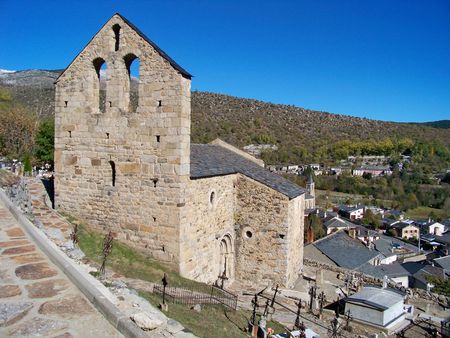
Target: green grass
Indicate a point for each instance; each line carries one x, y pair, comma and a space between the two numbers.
212, 321
424, 212
126, 260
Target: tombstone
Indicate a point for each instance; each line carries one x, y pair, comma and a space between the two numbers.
319, 276
262, 322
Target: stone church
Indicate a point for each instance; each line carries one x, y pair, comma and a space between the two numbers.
208, 210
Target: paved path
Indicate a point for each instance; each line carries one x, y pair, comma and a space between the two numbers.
36, 298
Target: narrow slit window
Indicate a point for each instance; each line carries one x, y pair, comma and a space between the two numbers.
159, 103
154, 182
113, 172
158, 138
65, 104
70, 133
107, 136
116, 29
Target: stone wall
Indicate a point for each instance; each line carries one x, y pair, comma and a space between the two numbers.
18, 193
295, 235
147, 151
211, 205
263, 236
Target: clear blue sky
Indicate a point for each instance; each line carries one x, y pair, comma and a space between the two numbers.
383, 59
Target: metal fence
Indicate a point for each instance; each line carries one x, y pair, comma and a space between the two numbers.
202, 295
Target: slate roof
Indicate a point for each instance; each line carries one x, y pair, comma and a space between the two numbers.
389, 221
445, 238
208, 160
381, 299
443, 262
349, 209
379, 271
385, 243
336, 222
428, 271
345, 251
402, 225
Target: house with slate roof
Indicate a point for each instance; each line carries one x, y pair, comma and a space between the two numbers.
208, 210
351, 212
345, 251
407, 230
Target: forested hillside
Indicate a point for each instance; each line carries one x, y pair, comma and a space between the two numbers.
302, 135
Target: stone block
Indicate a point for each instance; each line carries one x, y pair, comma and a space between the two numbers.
71, 160
129, 168
95, 162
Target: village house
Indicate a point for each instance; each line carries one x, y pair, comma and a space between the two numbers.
335, 223
421, 272
344, 251
431, 227
407, 230
375, 171
207, 210
351, 212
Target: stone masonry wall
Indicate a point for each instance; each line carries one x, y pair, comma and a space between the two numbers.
211, 202
261, 242
148, 149
295, 239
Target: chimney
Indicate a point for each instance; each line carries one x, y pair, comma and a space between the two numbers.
352, 233
385, 282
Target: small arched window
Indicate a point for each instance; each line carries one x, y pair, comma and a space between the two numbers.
133, 66
113, 173
101, 70
116, 29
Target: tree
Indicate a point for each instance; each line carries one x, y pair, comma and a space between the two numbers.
367, 176
446, 178
17, 130
27, 164
315, 224
45, 140
392, 232
371, 219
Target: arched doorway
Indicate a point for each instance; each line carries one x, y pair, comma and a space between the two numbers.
226, 265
